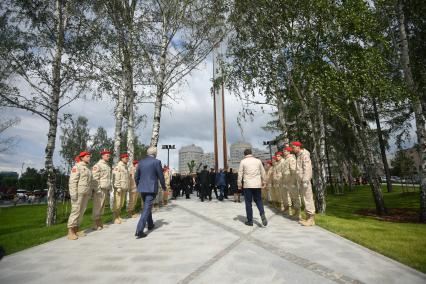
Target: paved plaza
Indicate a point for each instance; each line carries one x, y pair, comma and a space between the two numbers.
206, 242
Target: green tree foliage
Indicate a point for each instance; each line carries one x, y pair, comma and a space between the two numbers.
191, 166
74, 138
139, 148
402, 164
100, 141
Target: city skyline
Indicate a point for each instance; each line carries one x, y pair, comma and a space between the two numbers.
196, 153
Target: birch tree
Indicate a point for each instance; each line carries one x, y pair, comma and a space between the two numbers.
74, 138
418, 102
178, 37
53, 39
322, 56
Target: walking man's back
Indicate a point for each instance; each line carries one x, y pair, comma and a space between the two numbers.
251, 177
148, 172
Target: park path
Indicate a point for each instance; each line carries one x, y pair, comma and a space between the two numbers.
206, 242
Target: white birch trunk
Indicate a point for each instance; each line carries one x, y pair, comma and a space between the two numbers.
53, 116
417, 106
118, 125
155, 134
130, 98
370, 165
131, 129
321, 171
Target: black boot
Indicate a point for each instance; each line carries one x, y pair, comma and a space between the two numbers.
264, 221
140, 235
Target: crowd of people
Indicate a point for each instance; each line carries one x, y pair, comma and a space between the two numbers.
288, 183
283, 182
204, 183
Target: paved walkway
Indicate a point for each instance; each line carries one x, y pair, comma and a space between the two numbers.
206, 242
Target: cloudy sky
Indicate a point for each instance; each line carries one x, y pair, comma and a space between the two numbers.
187, 121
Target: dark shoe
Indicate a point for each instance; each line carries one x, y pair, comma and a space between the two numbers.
249, 223
151, 228
140, 235
264, 221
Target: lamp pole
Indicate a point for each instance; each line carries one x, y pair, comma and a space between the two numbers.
168, 147
269, 144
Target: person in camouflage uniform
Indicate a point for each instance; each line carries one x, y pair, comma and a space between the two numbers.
121, 183
266, 193
133, 194
80, 188
167, 179
280, 187
276, 179
101, 173
290, 192
303, 178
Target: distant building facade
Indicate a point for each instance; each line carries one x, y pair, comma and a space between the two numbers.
208, 160
195, 153
187, 154
237, 153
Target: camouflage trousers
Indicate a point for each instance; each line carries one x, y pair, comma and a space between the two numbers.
119, 199
78, 207
99, 200
305, 189
132, 200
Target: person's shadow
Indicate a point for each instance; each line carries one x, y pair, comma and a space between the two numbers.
158, 224
243, 220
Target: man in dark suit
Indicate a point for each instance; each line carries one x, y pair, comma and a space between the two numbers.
148, 173
212, 184
204, 180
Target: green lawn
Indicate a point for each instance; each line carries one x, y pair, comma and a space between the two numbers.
23, 226
403, 242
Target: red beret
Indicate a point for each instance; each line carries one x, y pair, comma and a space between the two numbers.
274, 158
105, 151
124, 155
77, 159
135, 162
269, 162
296, 143
278, 153
83, 154
288, 149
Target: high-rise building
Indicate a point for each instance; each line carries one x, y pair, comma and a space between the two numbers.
237, 153
263, 155
208, 159
187, 154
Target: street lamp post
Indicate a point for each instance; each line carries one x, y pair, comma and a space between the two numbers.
269, 143
168, 147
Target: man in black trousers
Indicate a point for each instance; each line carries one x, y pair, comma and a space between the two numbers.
227, 179
212, 184
204, 179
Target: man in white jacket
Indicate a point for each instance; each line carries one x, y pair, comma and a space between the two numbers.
252, 178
